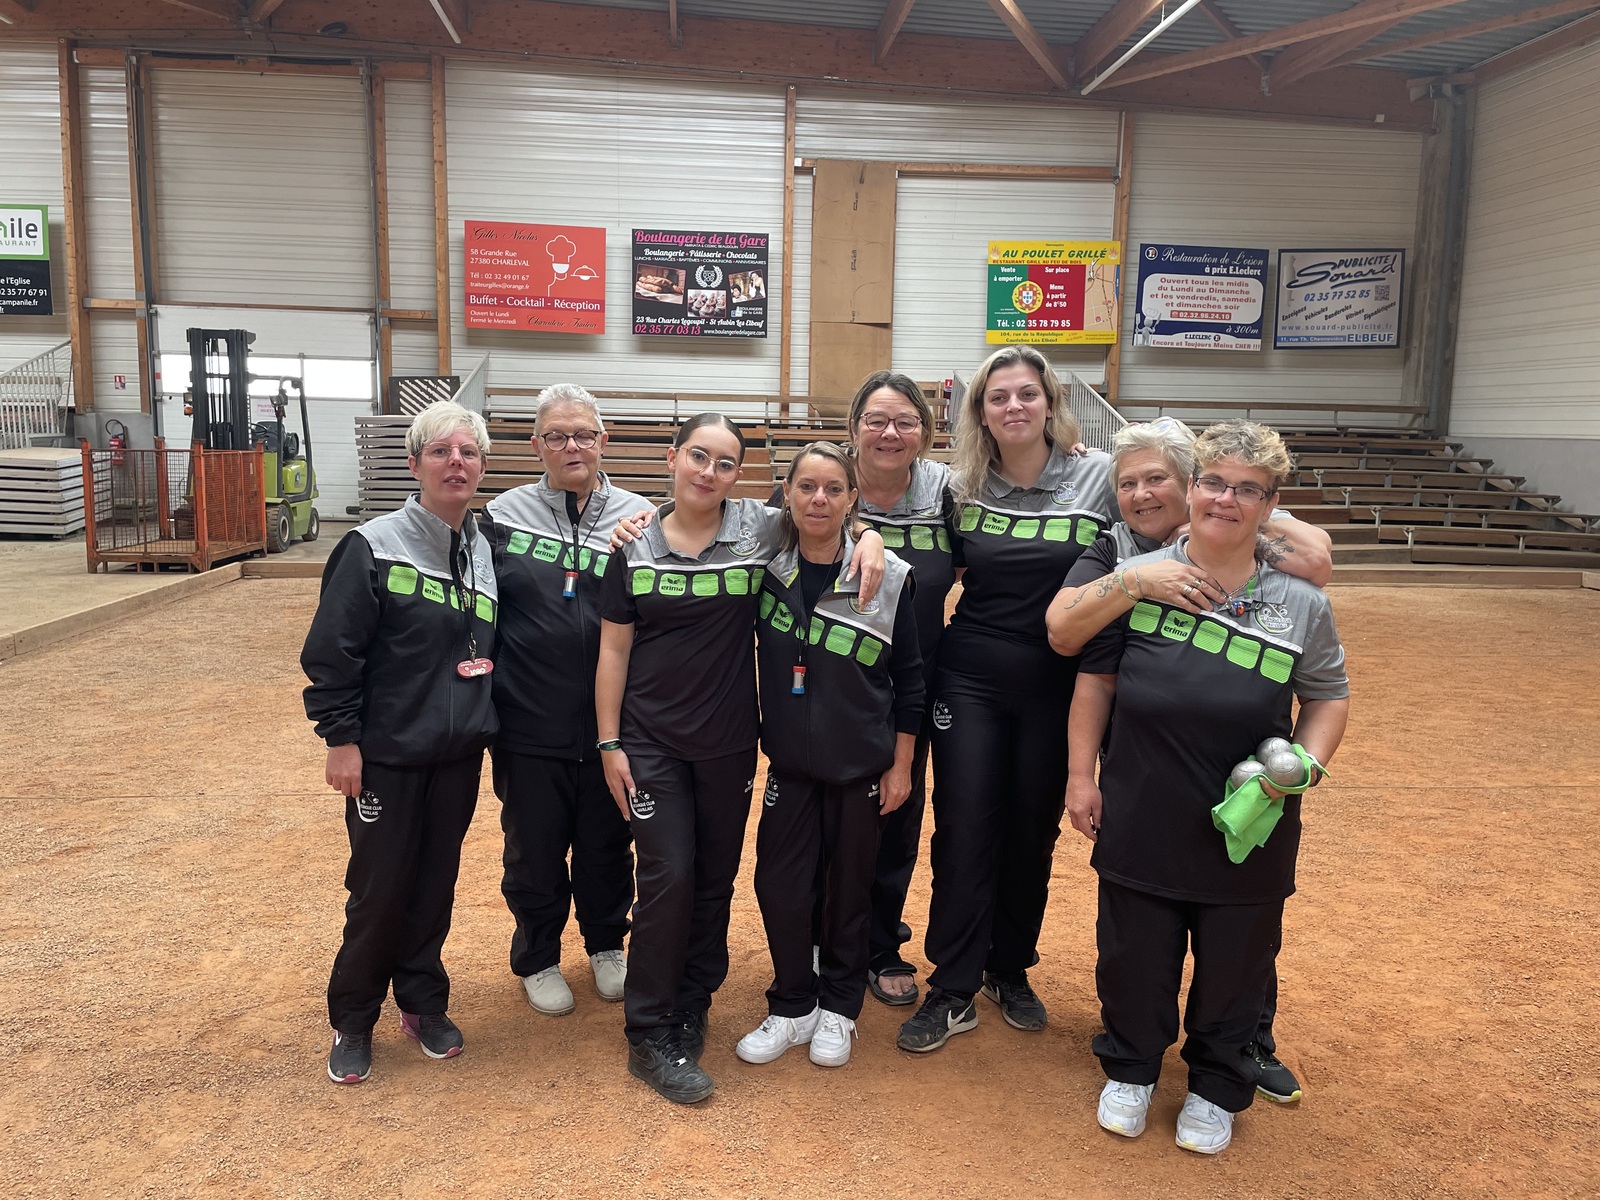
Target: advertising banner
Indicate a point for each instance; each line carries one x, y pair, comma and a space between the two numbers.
690, 283
25, 261
1339, 299
1054, 292
544, 278
1200, 297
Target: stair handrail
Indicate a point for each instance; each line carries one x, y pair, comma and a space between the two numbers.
35, 396
1096, 418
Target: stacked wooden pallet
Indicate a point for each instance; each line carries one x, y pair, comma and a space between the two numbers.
41, 491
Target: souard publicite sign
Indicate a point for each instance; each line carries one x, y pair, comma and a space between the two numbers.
1339, 299
699, 283
25, 261
543, 278
1200, 297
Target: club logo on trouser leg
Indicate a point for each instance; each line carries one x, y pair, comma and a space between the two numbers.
770, 796
941, 716
368, 807
640, 805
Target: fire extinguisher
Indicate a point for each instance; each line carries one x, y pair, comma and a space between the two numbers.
117, 441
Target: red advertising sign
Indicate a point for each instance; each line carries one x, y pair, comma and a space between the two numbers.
547, 278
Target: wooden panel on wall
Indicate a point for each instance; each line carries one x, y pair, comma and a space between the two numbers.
852, 242
842, 355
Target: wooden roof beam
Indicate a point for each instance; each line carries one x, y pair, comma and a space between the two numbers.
674, 30
1307, 58
260, 10
1370, 12
1032, 41
1526, 16
1220, 19
220, 9
16, 12
1569, 37
1109, 32
453, 16
894, 16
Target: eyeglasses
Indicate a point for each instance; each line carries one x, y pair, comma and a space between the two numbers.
1244, 493
806, 489
907, 423
700, 460
584, 439
441, 454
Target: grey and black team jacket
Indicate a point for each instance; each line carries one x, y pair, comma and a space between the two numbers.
390, 628
864, 681
550, 642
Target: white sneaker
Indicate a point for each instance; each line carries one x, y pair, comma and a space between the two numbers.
775, 1035
1203, 1127
1124, 1106
610, 973
830, 1044
549, 993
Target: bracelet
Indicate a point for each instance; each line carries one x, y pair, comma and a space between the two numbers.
608, 744
1121, 584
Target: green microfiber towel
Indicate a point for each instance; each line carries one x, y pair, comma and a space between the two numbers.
1247, 815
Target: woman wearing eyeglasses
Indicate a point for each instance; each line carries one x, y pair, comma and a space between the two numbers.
675, 700
399, 656
551, 546
1026, 509
1197, 687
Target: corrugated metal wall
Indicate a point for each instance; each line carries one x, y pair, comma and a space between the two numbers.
1528, 349
30, 173
613, 149
408, 109
109, 216
1212, 181
944, 225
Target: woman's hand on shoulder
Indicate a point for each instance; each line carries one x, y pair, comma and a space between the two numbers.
1179, 584
631, 529
867, 561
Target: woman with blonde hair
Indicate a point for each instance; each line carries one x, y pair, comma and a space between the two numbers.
1026, 508
399, 658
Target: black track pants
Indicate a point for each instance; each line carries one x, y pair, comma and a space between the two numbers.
1142, 940
1000, 781
899, 842
548, 806
405, 853
688, 830
812, 830
1269, 1006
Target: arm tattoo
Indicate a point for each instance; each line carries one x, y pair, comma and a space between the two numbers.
1272, 551
1104, 586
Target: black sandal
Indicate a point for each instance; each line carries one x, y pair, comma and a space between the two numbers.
891, 998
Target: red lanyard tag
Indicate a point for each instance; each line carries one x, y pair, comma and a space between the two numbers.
799, 685
571, 588
471, 668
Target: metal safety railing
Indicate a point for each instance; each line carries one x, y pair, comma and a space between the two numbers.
35, 397
1098, 420
192, 507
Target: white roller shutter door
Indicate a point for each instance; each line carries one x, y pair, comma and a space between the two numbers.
620, 151
1528, 346
1218, 182
108, 213
30, 173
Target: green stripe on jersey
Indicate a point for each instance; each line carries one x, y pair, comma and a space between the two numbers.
1212, 637
1081, 529
402, 581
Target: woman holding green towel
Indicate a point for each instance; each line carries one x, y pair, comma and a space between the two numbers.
1197, 687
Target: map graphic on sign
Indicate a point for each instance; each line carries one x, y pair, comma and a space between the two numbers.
1054, 292
546, 278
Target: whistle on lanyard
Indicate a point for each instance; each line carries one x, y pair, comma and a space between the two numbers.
570, 588
798, 688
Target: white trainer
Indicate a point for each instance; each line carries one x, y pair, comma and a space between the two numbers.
610, 973
1203, 1127
549, 993
830, 1044
1124, 1107
775, 1035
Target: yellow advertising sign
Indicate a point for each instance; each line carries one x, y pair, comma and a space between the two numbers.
1054, 292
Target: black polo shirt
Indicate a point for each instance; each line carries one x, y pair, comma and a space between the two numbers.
1195, 697
691, 690
1018, 543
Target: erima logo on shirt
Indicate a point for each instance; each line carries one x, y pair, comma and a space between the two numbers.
368, 807
941, 716
641, 806
770, 796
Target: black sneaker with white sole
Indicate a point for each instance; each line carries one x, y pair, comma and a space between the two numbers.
350, 1060
434, 1032
942, 1015
1019, 1005
1277, 1082
662, 1061
693, 1031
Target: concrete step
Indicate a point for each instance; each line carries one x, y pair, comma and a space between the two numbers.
1444, 575
1369, 553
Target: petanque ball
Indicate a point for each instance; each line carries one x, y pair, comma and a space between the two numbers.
1273, 745
1285, 769
1245, 772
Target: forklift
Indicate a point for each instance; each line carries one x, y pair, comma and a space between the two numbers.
219, 403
